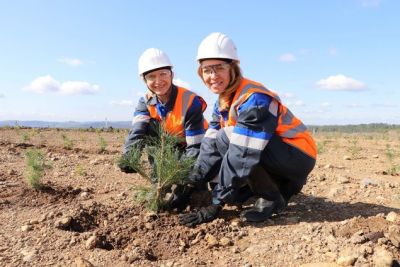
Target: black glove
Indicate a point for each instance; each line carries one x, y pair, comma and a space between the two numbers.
205, 214
180, 197
196, 180
127, 169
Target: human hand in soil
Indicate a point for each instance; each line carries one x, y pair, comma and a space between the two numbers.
195, 180
205, 214
180, 197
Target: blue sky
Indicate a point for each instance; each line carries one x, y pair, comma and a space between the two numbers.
332, 62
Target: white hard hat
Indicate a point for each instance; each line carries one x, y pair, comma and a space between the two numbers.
151, 59
217, 45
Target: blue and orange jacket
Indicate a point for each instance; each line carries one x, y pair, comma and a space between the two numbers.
290, 128
181, 116
255, 115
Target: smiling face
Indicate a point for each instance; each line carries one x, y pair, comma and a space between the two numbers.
159, 81
215, 74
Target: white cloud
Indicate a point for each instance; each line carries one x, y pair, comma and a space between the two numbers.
73, 62
47, 83
387, 105
288, 57
182, 83
2, 95
287, 95
43, 84
340, 83
325, 105
297, 103
122, 103
370, 3
78, 87
353, 105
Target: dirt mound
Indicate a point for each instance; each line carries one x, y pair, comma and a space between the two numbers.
18, 195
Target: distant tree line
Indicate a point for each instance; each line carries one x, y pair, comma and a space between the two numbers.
356, 128
117, 125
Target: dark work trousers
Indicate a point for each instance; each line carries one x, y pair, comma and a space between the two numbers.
283, 170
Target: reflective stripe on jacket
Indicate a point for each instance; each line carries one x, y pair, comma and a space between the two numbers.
290, 128
184, 108
174, 121
255, 116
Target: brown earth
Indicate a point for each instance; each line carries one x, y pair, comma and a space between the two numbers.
85, 215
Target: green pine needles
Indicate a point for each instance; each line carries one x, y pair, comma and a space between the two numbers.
169, 166
35, 168
67, 143
102, 144
394, 169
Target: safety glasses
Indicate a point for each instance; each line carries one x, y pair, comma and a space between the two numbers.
217, 69
162, 75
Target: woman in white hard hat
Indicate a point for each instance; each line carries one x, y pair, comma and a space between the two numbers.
254, 145
179, 110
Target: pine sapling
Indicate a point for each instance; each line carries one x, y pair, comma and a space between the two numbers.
67, 143
133, 160
25, 137
102, 144
80, 170
35, 168
394, 169
354, 149
320, 147
169, 167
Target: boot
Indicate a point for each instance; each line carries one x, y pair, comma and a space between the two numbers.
263, 209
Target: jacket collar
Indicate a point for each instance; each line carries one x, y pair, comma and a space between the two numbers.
152, 98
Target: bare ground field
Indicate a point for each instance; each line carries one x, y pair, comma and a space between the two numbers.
348, 213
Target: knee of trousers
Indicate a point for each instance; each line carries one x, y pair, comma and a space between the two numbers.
262, 183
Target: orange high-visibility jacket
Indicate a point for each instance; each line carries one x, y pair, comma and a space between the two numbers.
290, 128
237, 141
182, 116
174, 122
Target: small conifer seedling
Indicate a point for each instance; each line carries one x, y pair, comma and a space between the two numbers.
169, 167
35, 167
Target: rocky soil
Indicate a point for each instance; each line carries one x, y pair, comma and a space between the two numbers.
348, 214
